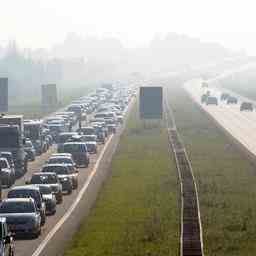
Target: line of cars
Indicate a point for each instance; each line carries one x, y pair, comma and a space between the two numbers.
208, 99
26, 207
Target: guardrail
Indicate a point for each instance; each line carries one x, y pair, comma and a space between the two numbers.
191, 238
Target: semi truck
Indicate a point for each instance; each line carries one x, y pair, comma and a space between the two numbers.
12, 140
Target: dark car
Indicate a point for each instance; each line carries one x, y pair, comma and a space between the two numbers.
48, 197
30, 191
79, 152
64, 174
49, 179
246, 106
232, 100
92, 147
22, 216
6, 239
30, 150
211, 101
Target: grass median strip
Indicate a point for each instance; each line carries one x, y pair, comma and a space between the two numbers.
137, 211
226, 180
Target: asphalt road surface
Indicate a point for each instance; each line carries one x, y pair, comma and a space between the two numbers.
60, 227
241, 125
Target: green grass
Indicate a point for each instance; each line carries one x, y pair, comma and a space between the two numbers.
31, 107
137, 211
243, 83
226, 181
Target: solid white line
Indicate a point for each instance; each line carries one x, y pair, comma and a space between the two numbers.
43, 244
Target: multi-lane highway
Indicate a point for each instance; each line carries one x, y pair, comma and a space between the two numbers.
240, 124
60, 227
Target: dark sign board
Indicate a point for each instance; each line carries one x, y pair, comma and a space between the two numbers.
151, 102
49, 96
3, 94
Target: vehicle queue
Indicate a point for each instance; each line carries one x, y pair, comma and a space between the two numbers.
77, 131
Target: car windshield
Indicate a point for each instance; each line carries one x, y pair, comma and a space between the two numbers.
3, 164
32, 131
7, 156
64, 137
44, 179
17, 207
59, 170
45, 190
59, 160
70, 148
89, 138
24, 193
88, 131
90, 146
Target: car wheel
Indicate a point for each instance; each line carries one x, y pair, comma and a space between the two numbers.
38, 233
10, 182
43, 221
26, 166
53, 211
11, 252
70, 191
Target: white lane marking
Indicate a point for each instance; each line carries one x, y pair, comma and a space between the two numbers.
43, 244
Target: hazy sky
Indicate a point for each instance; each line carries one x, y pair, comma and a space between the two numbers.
41, 23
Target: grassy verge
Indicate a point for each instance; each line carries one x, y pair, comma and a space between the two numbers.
137, 211
226, 181
242, 83
31, 108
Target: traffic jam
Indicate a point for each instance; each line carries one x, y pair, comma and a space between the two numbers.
73, 135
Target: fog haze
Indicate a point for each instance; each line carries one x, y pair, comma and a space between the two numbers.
43, 23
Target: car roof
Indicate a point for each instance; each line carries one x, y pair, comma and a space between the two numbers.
31, 187
77, 143
68, 133
5, 153
60, 157
62, 154
43, 173
30, 199
53, 165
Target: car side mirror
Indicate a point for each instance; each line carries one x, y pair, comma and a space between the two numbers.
27, 182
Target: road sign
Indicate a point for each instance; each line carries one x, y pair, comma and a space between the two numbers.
151, 102
3, 94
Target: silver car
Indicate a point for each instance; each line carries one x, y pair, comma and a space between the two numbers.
22, 216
